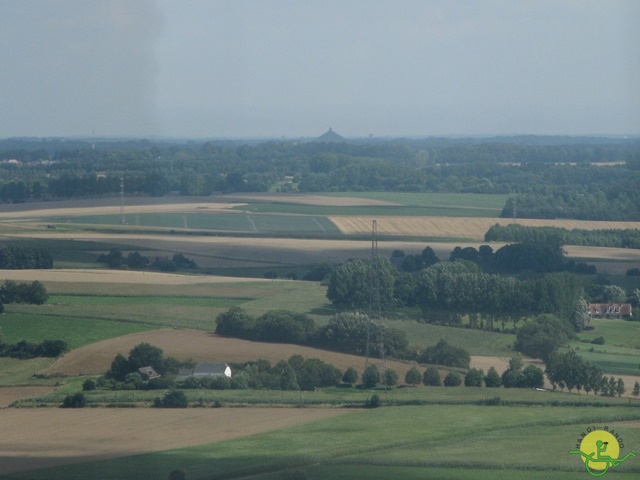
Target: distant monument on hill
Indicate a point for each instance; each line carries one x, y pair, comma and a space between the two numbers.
330, 137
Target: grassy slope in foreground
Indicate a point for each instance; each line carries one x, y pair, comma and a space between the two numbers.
472, 441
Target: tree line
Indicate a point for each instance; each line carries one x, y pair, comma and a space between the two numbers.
13, 292
623, 238
24, 350
447, 291
135, 260
16, 257
346, 332
549, 180
300, 373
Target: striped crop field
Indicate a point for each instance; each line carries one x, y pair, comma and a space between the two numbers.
472, 229
222, 222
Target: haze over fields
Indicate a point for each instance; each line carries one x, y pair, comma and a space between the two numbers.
251, 68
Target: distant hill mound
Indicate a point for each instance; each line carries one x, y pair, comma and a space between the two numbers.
330, 137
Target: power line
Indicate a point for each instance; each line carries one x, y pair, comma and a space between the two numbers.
122, 220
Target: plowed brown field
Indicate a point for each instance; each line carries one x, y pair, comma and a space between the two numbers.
10, 394
201, 347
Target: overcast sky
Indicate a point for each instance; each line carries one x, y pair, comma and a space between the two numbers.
273, 68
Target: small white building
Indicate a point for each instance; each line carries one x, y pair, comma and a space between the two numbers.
204, 370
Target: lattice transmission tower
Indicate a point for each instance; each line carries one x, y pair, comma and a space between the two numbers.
375, 304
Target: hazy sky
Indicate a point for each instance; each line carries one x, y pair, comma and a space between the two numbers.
241, 68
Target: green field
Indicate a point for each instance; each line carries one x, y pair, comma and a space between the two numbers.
407, 204
621, 333
467, 442
76, 331
621, 353
437, 200
371, 210
221, 222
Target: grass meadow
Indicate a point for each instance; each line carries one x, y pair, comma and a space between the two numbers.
404, 203
620, 354
467, 442
370, 210
302, 225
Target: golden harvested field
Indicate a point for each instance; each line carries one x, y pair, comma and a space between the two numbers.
202, 347
118, 276
170, 205
41, 438
457, 227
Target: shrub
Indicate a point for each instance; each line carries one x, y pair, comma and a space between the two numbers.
413, 376
510, 378
598, 341
77, 400
539, 337
159, 383
88, 385
492, 379
444, 354
53, 348
234, 323
431, 377
189, 383
350, 376
473, 378
314, 373
219, 383
283, 326
373, 402
530, 377
452, 380
370, 377
172, 399
133, 380
390, 377
25, 350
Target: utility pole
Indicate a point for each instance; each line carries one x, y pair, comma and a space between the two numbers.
122, 220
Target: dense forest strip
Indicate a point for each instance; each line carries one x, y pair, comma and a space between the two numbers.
548, 177
627, 238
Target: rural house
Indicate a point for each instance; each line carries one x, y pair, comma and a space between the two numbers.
204, 370
610, 310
